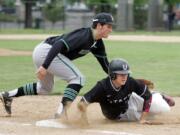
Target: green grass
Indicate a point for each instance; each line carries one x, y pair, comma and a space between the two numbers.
15, 71
19, 44
155, 33
55, 31
158, 62
30, 31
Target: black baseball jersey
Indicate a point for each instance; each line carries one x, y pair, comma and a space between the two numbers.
114, 102
77, 44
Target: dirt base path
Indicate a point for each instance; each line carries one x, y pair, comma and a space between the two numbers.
143, 38
8, 52
28, 110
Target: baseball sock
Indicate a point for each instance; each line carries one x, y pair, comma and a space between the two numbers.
28, 89
70, 93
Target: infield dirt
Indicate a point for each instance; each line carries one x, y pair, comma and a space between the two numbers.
30, 109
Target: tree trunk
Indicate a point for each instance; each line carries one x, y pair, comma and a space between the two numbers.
28, 14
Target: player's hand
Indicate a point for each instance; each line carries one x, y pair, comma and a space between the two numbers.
145, 122
143, 119
151, 122
41, 73
82, 106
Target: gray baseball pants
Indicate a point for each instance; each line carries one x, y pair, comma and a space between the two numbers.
61, 67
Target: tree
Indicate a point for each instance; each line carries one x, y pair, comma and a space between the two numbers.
101, 5
171, 1
8, 3
140, 14
7, 13
54, 11
170, 12
28, 12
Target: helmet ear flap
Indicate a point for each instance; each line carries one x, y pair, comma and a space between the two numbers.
113, 76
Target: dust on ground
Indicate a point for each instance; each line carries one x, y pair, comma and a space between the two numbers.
30, 109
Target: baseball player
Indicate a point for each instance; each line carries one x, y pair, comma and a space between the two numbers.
121, 97
54, 56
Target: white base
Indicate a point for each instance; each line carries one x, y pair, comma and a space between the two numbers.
51, 123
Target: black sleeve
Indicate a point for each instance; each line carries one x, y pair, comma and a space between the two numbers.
95, 94
143, 91
76, 38
100, 53
104, 63
58, 47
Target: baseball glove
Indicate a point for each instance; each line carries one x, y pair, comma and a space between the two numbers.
148, 83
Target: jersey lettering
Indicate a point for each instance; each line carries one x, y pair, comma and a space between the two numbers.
115, 101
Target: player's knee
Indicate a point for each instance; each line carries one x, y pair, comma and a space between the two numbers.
78, 80
83, 79
133, 114
159, 105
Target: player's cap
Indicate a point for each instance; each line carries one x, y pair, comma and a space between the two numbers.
119, 66
103, 17
125, 72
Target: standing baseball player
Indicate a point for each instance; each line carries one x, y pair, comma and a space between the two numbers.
120, 96
54, 56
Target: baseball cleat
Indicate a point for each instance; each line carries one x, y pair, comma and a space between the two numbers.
59, 111
169, 100
61, 116
7, 101
62, 111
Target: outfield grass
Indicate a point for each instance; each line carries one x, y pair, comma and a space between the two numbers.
30, 31
25, 45
55, 31
158, 62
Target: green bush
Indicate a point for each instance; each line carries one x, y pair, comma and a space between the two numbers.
54, 12
140, 17
7, 17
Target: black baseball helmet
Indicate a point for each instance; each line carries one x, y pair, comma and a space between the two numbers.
118, 66
103, 17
